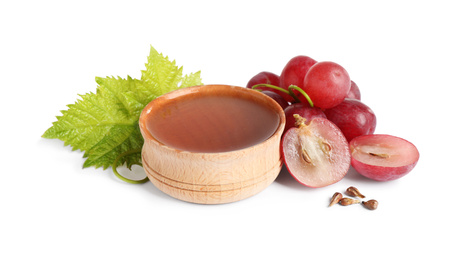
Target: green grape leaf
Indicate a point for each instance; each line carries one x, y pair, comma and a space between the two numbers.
105, 124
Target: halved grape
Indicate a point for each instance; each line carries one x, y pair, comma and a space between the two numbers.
383, 157
316, 154
303, 110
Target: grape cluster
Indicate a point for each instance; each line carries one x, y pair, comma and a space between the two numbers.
333, 116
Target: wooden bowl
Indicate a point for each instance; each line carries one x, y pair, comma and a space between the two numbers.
199, 152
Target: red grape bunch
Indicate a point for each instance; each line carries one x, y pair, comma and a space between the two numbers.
328, 127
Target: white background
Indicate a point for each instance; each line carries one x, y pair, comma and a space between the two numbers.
404, 56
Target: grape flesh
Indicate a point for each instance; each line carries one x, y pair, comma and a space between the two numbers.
316, 154
303, 110
383, 157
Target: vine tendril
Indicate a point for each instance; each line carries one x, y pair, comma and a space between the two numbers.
115, 164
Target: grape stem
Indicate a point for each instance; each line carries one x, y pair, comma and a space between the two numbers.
115, 165
289, 91
270, 86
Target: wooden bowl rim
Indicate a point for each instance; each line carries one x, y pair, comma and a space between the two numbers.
193, 89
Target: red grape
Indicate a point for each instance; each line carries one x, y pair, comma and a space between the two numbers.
353, 117
294, 72
354, 91
266, 77
327, 84
279, 99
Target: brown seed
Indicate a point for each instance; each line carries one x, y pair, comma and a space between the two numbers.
348, 201
326, 147
371, 204
305, 156
354, 192
380, 155
335, 198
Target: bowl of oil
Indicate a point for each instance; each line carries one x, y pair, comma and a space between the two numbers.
212, 144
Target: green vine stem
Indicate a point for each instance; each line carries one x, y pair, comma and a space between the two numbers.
291, 92
115, 164
270, 86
